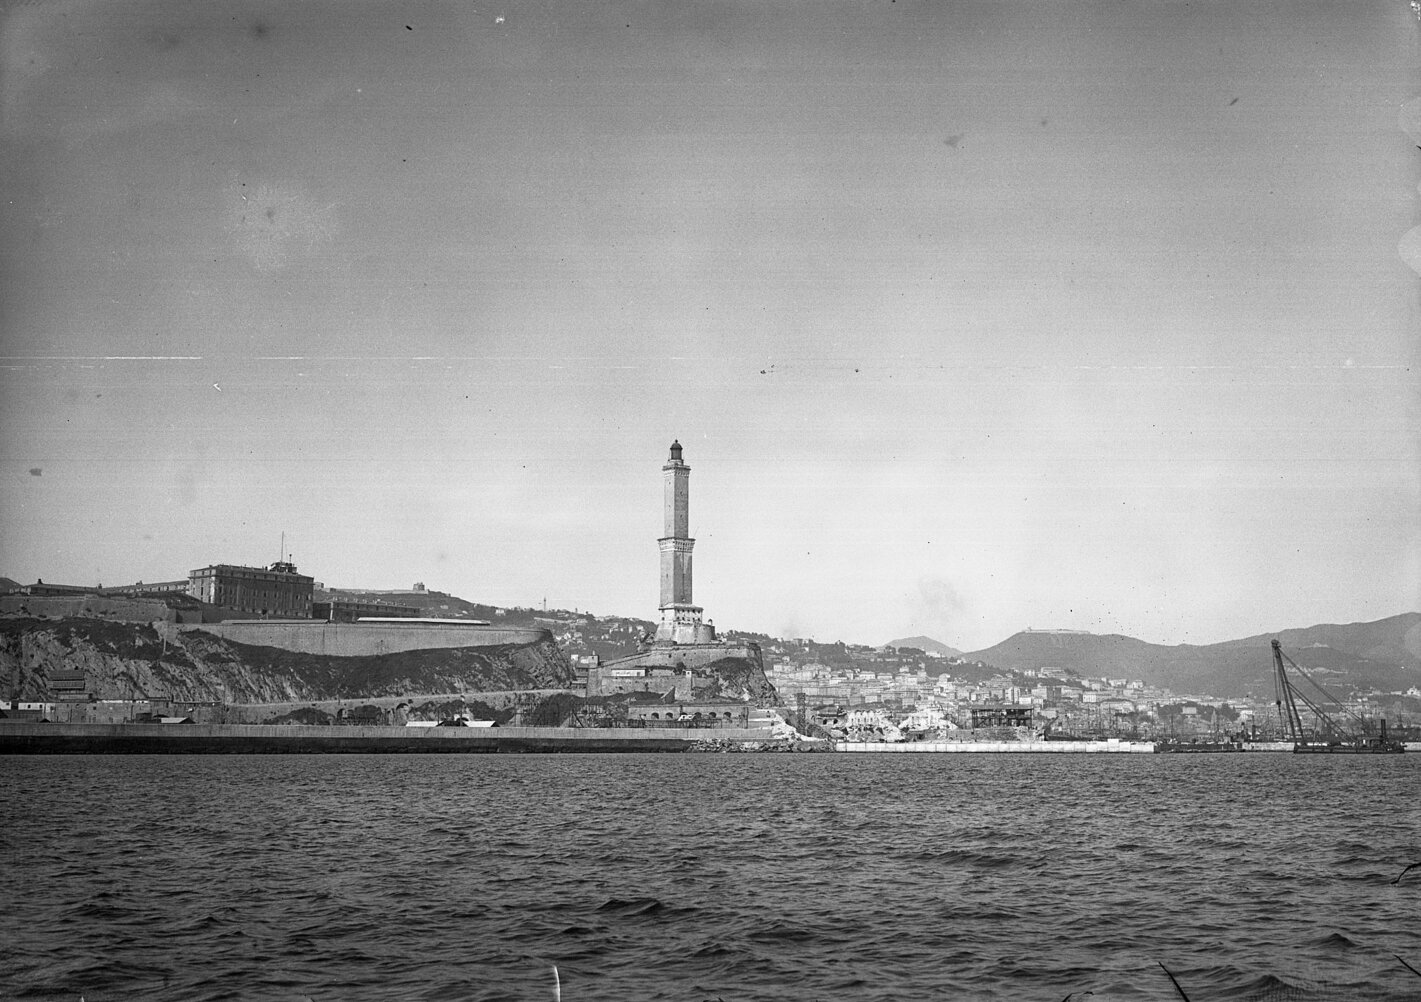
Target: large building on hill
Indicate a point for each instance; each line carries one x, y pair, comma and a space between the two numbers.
275, 592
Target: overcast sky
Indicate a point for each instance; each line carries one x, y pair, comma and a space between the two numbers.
970, 318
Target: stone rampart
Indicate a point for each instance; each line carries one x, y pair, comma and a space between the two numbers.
127, 610
685, 656
364, 639
691, 671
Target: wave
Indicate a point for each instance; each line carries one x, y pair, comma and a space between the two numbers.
632, 906
375, 883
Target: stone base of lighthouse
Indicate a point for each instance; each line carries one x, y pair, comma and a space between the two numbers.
734, 672
681, 624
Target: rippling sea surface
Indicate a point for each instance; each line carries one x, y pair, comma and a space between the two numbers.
702, 877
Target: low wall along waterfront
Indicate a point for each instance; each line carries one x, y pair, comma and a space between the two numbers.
144, 739
1052, 747
364, 639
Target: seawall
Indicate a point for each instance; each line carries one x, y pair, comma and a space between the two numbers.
363, 639
968, 747
257, 739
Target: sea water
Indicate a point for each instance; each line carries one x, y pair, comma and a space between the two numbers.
703, 877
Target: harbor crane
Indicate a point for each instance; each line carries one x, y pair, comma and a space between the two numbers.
1333, 737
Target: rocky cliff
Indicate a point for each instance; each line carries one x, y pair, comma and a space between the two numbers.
123, 660
738, 678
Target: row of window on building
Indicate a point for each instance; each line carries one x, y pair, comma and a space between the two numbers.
274, 592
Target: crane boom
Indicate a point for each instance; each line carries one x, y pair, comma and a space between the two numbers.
1287, 708
1334, 737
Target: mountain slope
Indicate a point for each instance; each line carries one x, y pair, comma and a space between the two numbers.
122, 660
1385, 654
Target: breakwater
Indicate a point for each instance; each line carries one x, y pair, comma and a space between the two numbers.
258, 739
1107, 747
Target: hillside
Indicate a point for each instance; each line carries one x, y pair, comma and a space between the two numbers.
1385, 654
926, 644
121, 660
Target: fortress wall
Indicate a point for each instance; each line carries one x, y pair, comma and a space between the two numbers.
679, 659
364, 639
693, 656
128, 610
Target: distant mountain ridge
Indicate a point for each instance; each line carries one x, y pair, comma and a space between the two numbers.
1385, 654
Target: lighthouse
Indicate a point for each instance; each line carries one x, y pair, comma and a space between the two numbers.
680, 616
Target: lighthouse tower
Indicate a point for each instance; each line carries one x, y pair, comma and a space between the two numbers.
680, 617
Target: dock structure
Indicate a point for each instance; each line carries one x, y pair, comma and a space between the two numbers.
266, 739
1107, 747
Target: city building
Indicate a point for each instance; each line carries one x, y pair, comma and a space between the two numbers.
39, 588
275, 592
16, 710
345, 609
68, 682
151, 589
1001, 716
712, 713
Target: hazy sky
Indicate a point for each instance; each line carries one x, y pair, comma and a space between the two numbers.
970, 318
